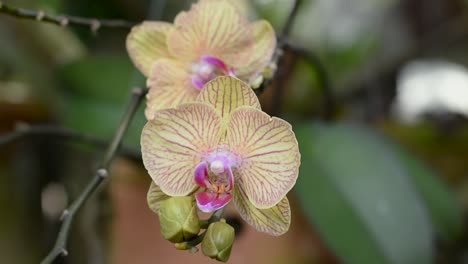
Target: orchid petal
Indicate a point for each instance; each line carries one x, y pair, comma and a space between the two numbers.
155, 197
230, 179
264, 47
201, 174
273, 221
214, 28
146, 43
174, 142
226, 94
209, 202
170, 85
269, 153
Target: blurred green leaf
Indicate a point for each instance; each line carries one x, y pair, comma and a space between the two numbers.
275, 11
446, 212
358, 193
106, 78
101, 119
98, 89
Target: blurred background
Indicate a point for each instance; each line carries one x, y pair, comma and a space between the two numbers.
376, 90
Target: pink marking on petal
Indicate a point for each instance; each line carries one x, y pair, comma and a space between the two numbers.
209, 202
231, 179
197, 82
201, 175
216, 62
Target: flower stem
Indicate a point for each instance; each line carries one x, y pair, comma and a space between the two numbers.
188, 245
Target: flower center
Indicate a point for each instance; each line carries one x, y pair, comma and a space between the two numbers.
208, 68
215, 176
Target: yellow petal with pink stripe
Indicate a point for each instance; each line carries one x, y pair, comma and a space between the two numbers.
170, 85
269, 152
155, 196
226, 94
146, 43
263, 46
212, 28
273, 221
173, 144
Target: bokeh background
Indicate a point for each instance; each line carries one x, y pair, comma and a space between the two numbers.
377, 94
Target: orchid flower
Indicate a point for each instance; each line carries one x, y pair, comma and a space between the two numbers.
212, 39
223, 148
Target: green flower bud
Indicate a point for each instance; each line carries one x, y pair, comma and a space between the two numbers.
218, 240
179, 219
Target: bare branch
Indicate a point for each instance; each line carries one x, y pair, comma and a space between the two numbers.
64, 20
60, 247
329, 102
23, 130
289, 23
278, 89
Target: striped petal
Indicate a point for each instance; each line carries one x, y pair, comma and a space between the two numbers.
264, 47
170, 85
146, 43
226, 94
269, 153
174, 142
273, 221
155, 197
214, 28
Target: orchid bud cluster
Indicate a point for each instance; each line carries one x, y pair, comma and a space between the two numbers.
207, 143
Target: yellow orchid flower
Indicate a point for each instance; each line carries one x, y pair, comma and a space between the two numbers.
213, 38
223, 148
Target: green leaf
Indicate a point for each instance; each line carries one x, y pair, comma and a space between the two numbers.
101, 119
107, 78
446, 212
98, 90
359, 195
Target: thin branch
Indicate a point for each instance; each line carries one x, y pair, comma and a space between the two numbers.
60, 247
440, 38
64, 20
289, 23
23, 130
329, 103
279, 77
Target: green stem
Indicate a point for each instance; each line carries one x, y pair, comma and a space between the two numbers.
215, 217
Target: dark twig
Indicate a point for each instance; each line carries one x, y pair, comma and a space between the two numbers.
329, 104
60, 247
23, 130
289, 24
278, 90
64, 20
440, 38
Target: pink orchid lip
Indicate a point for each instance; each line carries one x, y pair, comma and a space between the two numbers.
216, 62
206, 64
217, 195
197, 82
201, 175
210, 202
